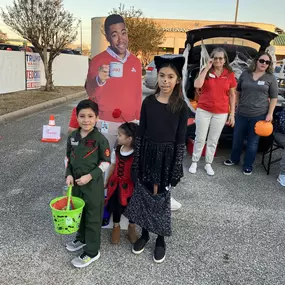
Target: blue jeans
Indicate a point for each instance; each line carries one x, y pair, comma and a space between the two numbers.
244, 126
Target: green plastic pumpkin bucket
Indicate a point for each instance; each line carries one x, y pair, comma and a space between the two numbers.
66, 213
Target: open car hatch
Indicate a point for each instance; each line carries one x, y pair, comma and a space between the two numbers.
259, 36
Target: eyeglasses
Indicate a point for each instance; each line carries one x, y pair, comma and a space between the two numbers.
262, 61
218, 58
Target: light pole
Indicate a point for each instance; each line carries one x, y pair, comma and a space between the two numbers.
81, 43
81, 35
237, 3
236, 15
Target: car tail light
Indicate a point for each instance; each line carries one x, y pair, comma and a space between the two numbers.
150, 68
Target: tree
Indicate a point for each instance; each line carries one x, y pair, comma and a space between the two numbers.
144, 34
46, 25
2, 38
279, 31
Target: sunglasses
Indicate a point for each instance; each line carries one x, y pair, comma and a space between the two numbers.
218, 58
262, 61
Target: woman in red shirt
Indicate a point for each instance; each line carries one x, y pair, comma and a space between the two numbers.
217, 83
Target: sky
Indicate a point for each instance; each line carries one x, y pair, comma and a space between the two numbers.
249, 11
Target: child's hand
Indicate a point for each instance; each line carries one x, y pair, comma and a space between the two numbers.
84, 179
69, 180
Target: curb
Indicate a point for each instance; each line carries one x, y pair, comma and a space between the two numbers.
4, 119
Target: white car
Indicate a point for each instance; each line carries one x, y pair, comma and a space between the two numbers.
150, 79
279, 71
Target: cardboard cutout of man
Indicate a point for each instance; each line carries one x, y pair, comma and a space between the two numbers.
114, 81
123, 92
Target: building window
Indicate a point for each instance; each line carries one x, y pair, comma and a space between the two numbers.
163, 50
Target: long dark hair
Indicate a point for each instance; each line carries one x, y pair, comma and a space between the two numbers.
129, 129
253, 63
176, 100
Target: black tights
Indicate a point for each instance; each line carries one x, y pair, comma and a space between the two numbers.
117, 215
159, 239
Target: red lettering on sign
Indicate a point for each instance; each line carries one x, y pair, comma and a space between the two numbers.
29, 74
51, 133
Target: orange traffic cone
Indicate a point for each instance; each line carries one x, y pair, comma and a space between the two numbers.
51, 132
51, 121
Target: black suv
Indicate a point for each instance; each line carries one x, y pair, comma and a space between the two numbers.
258, 36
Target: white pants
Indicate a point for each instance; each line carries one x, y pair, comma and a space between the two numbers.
211, 124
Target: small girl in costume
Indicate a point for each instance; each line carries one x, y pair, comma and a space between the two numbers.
119, 183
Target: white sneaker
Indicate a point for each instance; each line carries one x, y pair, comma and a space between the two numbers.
209, 169
281, 179
193, 167
174, 205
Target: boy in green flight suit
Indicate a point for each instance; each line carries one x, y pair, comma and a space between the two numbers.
88, 156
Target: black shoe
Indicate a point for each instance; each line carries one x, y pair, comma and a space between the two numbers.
247, 171
105, 222
159, 253
229, 162
139, 245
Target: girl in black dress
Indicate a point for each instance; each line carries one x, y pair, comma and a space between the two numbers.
157, 164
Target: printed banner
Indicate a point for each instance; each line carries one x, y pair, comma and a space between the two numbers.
33, 70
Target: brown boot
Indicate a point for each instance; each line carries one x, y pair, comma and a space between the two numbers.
132, 235
116, 235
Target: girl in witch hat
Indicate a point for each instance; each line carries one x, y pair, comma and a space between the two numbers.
157, 165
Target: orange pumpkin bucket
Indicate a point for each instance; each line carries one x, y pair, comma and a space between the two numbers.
263, 128
194, 104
